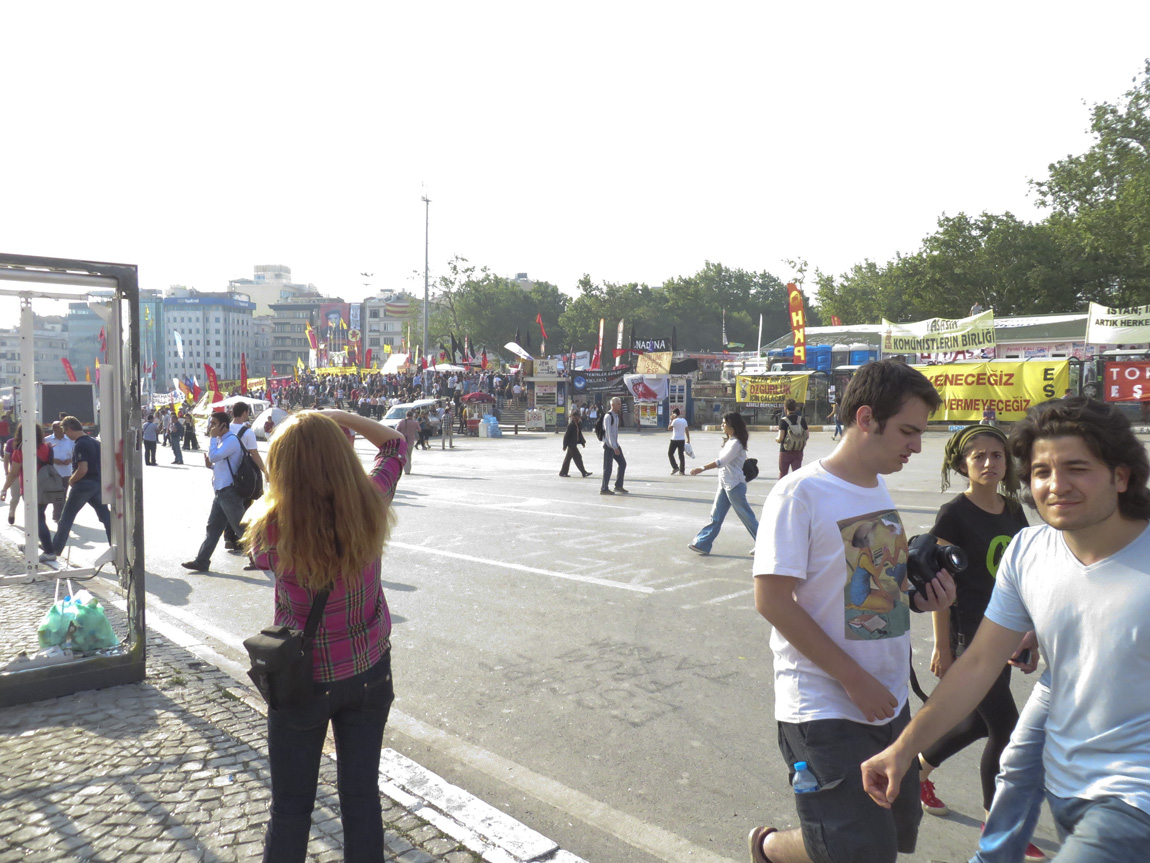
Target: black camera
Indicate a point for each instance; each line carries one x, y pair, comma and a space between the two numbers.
925, 557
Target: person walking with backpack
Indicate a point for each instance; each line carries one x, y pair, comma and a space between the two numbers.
241, 427
223, 457
792, 438
732, 491
608, 432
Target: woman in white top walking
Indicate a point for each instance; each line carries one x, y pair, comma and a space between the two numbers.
732, 490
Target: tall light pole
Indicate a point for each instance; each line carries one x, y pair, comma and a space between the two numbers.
426, 229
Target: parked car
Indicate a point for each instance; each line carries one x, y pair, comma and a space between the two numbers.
394, 415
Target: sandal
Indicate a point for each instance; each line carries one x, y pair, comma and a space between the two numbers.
755, 841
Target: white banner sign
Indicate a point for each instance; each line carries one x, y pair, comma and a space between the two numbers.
939, 335
518, 351
648, 388
1121, 326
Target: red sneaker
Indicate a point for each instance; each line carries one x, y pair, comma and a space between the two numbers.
1033, 852
931, 805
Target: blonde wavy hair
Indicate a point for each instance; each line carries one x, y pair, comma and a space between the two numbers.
328, 518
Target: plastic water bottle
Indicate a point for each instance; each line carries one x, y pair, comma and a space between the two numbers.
804, 781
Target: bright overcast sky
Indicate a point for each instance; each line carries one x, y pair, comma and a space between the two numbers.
631, 141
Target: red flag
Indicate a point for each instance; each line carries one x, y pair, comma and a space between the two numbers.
103, 344
273, 371
539, 320
367, 359
88, 373
243, 374
835, 321
68, 369
212, 383
484, 358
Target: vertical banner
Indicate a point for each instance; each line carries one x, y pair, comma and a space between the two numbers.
68, 369
243, 374
179, 343
212, 382
367, 359
724, 329
595, 360
619, 340
798, 322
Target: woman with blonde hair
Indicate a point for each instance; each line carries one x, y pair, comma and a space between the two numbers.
323, 527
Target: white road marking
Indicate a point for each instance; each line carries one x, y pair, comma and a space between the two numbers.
718, 599
518, 567
656, 841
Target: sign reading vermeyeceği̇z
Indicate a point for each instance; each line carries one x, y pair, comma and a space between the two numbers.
939, 335
1011, 389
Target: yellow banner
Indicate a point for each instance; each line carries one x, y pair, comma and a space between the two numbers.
1010, 389
770, 390
658, 363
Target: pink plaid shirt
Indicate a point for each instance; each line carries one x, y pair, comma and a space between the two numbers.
355, 631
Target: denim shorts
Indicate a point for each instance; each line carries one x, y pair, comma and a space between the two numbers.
840, 823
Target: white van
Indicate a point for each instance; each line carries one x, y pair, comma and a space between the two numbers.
394, 415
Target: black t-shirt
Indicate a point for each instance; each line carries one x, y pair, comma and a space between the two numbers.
984, 537
87, 449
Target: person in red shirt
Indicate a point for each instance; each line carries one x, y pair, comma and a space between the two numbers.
16, 474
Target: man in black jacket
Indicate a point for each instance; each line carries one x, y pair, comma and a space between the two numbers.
572, 440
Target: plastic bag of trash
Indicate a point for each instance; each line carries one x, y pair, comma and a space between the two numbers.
79, 618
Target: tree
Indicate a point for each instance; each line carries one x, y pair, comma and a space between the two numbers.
1100, 200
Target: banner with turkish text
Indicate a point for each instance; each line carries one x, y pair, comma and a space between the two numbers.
1127, 381
1008, 388
940, 335
765, 391
243, 374
1117, 326
599, 381
68, 369
658, 363
798, 322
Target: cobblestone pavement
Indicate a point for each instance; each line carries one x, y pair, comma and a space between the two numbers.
171, 769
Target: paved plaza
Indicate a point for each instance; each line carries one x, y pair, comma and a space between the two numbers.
571, 681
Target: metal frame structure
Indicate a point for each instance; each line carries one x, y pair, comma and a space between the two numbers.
119, 392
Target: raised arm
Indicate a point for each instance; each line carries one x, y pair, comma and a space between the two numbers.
376, 433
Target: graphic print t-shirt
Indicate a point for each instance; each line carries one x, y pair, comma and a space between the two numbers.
847, 546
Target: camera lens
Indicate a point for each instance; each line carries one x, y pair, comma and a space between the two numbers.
955, 559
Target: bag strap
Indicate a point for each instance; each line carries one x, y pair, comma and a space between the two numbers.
317, 606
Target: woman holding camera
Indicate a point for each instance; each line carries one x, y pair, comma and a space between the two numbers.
324, 527
982, 522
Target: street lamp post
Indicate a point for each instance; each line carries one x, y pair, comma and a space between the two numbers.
426, 228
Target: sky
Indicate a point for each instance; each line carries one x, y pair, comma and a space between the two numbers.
631, 141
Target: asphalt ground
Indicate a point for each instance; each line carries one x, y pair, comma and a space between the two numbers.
562, 655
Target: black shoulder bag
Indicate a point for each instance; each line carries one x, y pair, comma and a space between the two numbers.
282, 659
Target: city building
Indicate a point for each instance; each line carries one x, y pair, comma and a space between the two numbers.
289, 322
271, 284
50, 346
205, 328
386, 317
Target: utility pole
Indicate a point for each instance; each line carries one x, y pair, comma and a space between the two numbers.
427, 226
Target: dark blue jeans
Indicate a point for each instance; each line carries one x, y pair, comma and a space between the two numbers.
179, 456
609, 459
85, 491
357, 708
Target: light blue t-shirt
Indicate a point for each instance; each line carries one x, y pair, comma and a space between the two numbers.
1093, 627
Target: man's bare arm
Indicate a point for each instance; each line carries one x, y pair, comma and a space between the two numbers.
959, 692
775, 601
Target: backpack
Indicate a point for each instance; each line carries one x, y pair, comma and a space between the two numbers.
247, 478
50, 486
599, 430
797, 433
750, 469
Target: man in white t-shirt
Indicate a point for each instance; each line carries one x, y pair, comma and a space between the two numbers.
241, 417
680, 437
1082, 583
62, 448
830, 578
